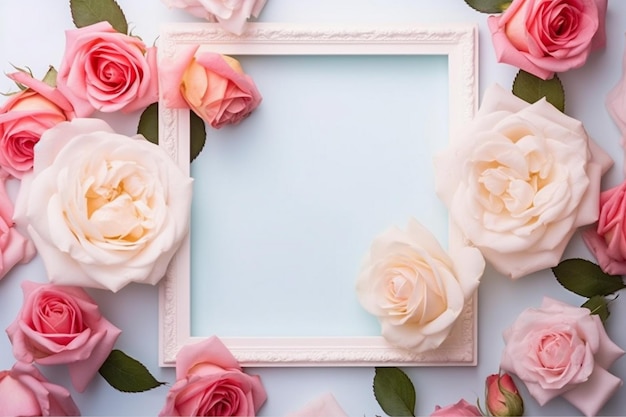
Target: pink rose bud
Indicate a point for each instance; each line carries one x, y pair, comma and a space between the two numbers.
503, 398
460, 409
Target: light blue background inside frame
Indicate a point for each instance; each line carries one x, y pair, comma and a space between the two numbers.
287, 203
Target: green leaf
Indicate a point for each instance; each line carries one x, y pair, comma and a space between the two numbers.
489, 6
598, 305
394, 392
586, 278
127, 374
51, 77
88, 12
531, 88
149, 128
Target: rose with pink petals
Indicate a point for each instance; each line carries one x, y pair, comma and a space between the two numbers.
214, 86
230, 14
24, 118
547, 36
607, 241
460, 409
107, 71
561, 350
62, 325
210, 382
24, 391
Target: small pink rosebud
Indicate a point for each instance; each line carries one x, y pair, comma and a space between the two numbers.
502, 396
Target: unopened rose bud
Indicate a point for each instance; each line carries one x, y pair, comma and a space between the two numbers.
503, 398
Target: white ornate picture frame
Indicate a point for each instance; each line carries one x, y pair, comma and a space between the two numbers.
458, 43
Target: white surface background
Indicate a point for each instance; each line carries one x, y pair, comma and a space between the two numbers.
31, 34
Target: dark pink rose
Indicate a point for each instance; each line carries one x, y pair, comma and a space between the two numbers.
25, 392
24, 118
561, 350
108, 71
210, 382
607, 241
214, 86
460, 409
502, 396
14, 248
62, 325
547, 36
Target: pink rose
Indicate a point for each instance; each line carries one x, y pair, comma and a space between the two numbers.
210, 382
460, 409
616, 102
547, 36
607, 241
212, 85
325, 405
562, 350
25, 392
14, 248
108, 71
502, 396
230, 14
62, 325
23, 119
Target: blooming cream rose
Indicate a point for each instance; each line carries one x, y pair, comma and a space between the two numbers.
103, 209
414, 288
230, 14
519, 180
559, 349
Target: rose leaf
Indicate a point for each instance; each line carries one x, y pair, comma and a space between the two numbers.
394, 392
88, 12
51, 77
598, 305
489, 6
127, 374
586, 278
531, 88
149, 128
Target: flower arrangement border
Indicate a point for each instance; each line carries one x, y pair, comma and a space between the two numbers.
459, 42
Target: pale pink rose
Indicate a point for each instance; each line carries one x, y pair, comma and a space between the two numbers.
23, 119
519, 180
325, 405
14, 248
616, 103
103, 209
559, 349
25, 392
62, 325
210, 382
230, 14
547, 36
108, 71
460, 409
607, 241
502, 397
214, 86
414, 288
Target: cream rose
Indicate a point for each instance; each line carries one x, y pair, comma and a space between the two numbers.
414, 288
519, 180
103, 209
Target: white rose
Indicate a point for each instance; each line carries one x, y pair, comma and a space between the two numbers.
230, 14
520, 180
103, 209
414, 288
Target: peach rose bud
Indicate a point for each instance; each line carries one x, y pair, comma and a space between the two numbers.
502, 396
